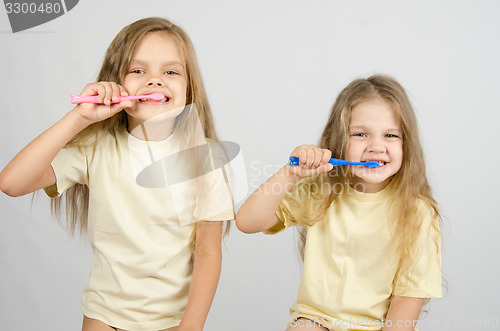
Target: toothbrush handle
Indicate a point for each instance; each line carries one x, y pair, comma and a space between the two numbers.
339, 162
94, 99
84, 99
294, 161
335, 162
368, 164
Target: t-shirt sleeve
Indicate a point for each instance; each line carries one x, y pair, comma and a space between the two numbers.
218, 200
423, 280
70, 167
288, 209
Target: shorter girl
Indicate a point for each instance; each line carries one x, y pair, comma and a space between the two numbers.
371, 239
157, 259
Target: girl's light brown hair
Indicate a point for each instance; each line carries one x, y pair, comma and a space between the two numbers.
114, 69
410, 182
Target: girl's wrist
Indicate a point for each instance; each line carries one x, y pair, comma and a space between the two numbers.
79, 120
290, 176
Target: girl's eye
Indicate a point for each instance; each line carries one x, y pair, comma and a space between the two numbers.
359, 134
390, 135
170, 72
136, 71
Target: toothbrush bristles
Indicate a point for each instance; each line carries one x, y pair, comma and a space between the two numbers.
155, 96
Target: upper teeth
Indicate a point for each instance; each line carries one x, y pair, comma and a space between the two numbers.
150, 100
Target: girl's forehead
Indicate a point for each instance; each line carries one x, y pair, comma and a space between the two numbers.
157, 45
375, 111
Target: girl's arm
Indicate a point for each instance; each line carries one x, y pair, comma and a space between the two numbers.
403, 314
258, 212
205, 278
30, 169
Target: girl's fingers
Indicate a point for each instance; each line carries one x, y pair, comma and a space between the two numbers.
318, 157
90, 89
126, 104
108, 92
108, 97
327, 154
312, 161
302, 155
123, 91
310, 155
117, 107
323, 168
115, 97
303, 172
319, 170
101, 92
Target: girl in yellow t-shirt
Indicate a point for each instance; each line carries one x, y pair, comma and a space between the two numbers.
371, 240
143, 178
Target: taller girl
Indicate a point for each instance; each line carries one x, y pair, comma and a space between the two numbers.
152, 269
372, 242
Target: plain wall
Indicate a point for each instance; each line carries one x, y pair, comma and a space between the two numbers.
272, 70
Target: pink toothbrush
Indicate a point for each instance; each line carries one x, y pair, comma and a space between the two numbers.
93, 98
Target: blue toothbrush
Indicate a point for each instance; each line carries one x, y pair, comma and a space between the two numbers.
337, 162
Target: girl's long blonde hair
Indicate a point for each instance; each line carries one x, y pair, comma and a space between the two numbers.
114, 69
410, 182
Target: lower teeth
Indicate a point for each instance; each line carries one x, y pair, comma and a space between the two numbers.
149, 100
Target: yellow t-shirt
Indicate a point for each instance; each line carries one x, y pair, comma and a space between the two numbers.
350, 268
139, 233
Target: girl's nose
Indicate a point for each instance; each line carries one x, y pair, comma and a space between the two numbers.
154, 81
376, 146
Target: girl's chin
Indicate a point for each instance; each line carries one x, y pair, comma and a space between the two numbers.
145, 114
374, 181
371, 180
148, 109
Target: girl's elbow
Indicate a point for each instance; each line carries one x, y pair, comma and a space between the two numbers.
239, 224
6, 187
243, 225
9, 191
9, 187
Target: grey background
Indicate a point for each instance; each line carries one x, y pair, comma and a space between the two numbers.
272, 70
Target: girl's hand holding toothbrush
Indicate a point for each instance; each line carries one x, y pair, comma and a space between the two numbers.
108, 95
312, 161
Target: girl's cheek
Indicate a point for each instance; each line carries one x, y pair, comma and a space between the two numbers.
354, 150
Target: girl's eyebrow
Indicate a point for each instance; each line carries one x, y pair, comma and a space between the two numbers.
362, 127
357, 127
168, 63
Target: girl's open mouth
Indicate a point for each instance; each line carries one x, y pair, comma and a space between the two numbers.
164, 100
381, 164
